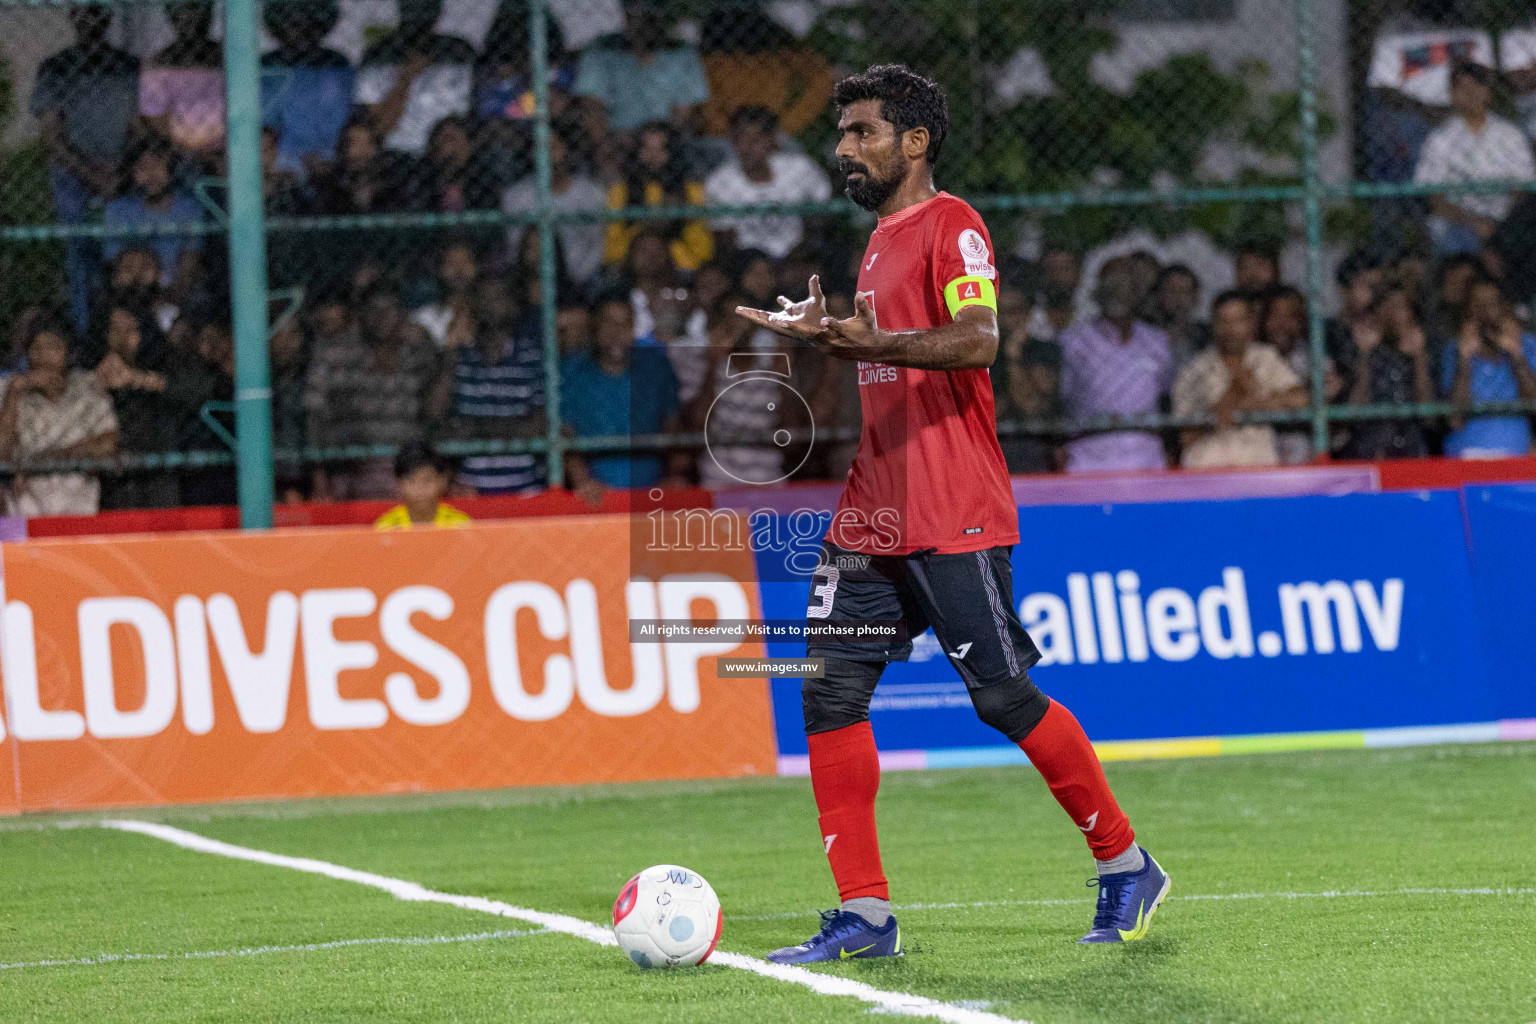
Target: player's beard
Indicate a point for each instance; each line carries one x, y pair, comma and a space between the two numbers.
869, 191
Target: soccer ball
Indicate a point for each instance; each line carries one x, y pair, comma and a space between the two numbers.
667, 916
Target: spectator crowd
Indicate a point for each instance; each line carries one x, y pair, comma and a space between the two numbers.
400, 340
1407, 332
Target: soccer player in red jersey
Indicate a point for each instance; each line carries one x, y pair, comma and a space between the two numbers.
926, 523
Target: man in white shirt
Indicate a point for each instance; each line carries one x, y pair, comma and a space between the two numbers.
758, 173
1472, 145
414, 77
569, 190
1235, 375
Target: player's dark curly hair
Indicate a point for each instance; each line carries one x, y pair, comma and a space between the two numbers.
907, 99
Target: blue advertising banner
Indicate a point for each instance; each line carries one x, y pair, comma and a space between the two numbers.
1227, 618
1502, 520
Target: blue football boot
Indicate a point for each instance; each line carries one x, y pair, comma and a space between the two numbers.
843, 936
1127, 902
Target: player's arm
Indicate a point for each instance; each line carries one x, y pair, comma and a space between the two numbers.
968, 341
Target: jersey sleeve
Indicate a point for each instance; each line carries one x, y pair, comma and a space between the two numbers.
964, 272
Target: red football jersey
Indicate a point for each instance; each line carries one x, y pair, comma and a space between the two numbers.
929, 473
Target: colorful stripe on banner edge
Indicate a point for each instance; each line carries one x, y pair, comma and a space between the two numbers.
1204, 746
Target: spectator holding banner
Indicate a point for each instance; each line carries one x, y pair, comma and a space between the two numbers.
1493, 360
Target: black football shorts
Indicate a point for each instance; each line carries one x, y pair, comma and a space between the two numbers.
966, 598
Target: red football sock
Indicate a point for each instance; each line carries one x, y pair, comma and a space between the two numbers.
845, 775
1059, 748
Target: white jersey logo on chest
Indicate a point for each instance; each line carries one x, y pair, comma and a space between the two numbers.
876, 373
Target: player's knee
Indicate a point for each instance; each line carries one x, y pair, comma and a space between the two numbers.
1013, 708
841, 697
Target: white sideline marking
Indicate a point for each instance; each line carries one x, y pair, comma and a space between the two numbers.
308, 947
1331, 894
823, 984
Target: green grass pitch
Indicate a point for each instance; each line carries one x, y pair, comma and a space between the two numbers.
1384, 886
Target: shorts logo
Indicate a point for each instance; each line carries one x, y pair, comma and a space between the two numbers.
974, 253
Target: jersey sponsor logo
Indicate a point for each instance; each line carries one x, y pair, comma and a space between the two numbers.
974, 253
877, 373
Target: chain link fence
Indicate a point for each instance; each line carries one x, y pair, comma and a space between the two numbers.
517, 233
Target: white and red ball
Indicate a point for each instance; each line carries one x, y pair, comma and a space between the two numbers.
667, 916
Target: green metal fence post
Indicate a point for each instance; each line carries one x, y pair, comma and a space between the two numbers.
248, 266
538, 40
1312, 194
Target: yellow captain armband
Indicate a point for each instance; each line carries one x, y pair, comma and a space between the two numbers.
969, 291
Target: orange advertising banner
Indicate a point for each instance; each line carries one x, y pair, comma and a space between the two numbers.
209, 667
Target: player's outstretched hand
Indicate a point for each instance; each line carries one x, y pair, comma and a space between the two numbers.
858, 337
800, 320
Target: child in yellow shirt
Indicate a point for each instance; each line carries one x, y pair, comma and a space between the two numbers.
421, 478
